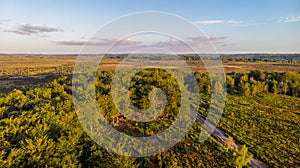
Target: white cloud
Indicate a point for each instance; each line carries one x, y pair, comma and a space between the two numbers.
291, 19
209, 22
33, 30
98, 42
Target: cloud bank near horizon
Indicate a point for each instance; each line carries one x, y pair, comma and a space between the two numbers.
128, 45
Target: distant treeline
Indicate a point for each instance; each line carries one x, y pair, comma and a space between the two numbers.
230, 57
283, 58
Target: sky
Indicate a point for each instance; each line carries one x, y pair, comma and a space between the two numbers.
62, 27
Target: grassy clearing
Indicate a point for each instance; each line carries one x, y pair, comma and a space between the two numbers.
268, 124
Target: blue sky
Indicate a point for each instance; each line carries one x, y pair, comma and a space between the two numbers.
50, 26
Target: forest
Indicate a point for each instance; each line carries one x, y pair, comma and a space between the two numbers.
39, 126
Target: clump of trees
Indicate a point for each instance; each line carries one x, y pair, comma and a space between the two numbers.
254, 82
264, 82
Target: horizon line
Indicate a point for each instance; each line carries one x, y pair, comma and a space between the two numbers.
236, 53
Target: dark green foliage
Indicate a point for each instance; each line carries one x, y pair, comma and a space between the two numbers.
258, 81
39, 127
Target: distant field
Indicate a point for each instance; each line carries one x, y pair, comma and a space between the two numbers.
36, 64
38, 69
18, 71
33, 64
266, 66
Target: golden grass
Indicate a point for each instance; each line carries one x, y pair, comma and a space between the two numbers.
11, 63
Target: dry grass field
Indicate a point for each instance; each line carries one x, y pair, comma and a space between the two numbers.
13, 63
46, 63
31, 70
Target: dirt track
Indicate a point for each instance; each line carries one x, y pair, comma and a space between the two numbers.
221, 137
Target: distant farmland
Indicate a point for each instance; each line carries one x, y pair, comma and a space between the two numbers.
41, 64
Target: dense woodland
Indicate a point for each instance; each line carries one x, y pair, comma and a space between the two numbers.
39, 126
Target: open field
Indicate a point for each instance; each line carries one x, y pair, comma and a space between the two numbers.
242, 67
35, 64
268, 124
18, 71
